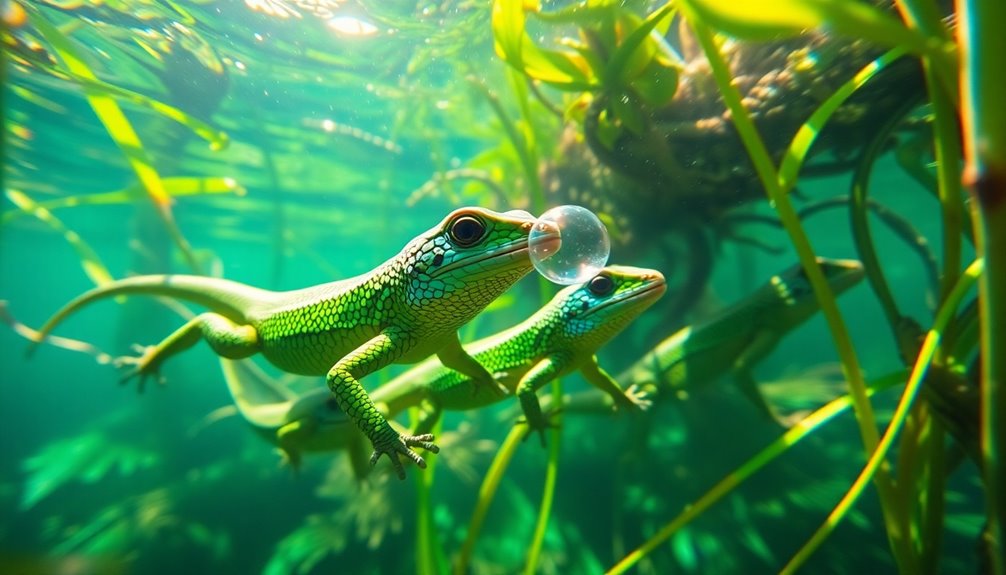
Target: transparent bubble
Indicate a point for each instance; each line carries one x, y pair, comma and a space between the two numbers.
569, 244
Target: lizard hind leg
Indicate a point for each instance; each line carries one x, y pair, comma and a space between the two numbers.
228, 339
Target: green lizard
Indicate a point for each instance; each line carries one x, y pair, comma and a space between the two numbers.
409, 307
740, 336
561, 337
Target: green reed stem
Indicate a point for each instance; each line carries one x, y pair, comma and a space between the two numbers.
89, 260
947, 151
429, 554
792, 160
983, 67
787, 214
770, 453
926, 354
548, 490
934, 497
858, 216
943, 95
487, 491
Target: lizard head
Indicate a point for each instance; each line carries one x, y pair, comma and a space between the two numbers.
595, 311
793, 287
456, 269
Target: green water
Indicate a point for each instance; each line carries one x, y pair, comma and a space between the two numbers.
339, 142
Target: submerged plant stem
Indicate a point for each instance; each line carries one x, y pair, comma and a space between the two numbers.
487, 492
983, 67
759, 155
428, 550
548, 490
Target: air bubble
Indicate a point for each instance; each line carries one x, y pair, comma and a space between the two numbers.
569, 244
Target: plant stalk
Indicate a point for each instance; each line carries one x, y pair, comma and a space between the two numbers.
983, 67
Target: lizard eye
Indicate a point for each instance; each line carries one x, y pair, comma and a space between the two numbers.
601, 285
467, 231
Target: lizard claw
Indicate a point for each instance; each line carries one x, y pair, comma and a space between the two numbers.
394, 444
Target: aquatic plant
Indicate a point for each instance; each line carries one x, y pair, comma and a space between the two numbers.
86, 458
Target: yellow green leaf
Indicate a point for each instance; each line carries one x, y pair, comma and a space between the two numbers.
174, 187
559, 69
657, 85
775, 19
637, 50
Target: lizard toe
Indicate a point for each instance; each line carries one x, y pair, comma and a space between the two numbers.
424, 441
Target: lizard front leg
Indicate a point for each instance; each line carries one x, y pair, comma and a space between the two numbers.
343, 380
628, 399
543, 372
228, 339
763, 342
453, 356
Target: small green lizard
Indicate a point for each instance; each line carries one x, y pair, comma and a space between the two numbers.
560, 338
740, 336
403, 311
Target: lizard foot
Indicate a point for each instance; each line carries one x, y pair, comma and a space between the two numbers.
394, 444
639, 396
540, 424
143, 366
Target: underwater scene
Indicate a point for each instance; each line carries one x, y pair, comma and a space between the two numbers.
502, 286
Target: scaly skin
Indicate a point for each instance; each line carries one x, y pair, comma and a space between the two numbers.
404, 310
740, 336
560, 338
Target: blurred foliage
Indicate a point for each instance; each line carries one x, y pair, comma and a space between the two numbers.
89, 457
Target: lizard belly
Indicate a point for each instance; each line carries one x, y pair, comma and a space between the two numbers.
456, 392
314, 353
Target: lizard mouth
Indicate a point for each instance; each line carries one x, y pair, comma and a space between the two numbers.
511, 255
642, 295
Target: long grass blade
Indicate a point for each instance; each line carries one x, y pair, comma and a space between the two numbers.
174, 187
429, 555
89, 260
487, 492
803, 140
858, 196
548, 491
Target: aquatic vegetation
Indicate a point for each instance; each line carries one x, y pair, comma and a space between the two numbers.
86, 458
122, 528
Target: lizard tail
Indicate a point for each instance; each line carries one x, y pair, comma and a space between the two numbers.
228, 298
